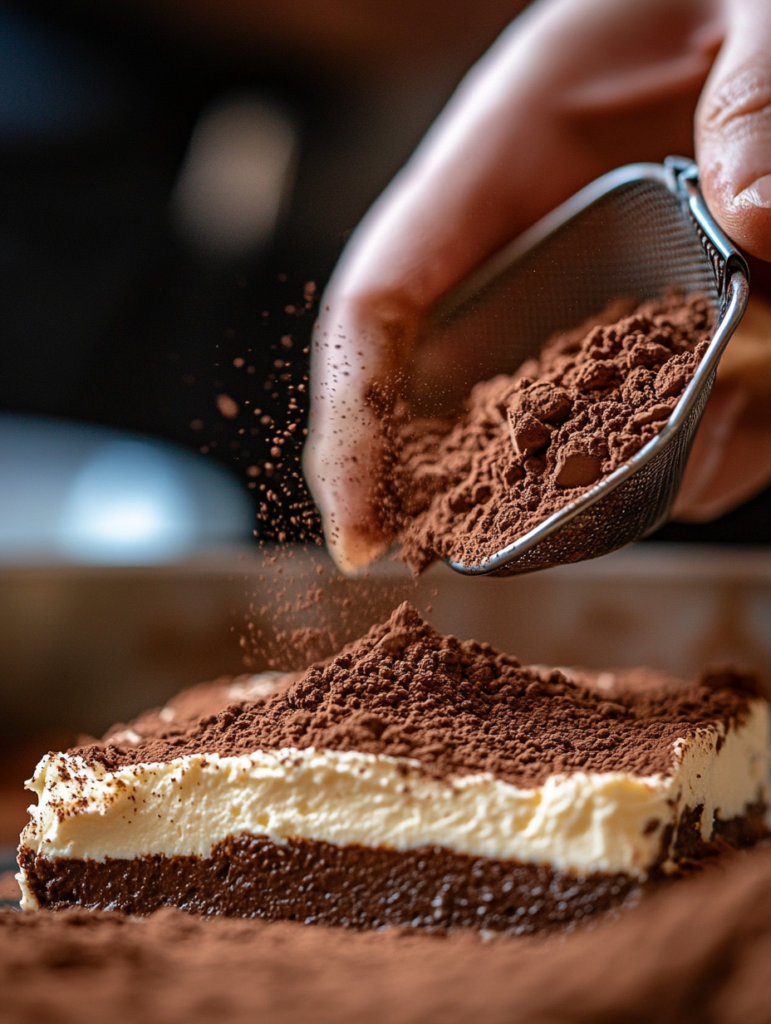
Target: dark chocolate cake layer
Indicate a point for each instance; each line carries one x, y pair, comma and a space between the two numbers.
352, 886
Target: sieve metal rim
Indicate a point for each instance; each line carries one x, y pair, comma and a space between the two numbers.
680, 176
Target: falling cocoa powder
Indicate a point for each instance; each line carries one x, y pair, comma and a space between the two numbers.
530, 443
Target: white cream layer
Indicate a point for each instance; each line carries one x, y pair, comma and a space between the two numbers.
585, 821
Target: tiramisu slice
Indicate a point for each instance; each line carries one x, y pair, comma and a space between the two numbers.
413, 779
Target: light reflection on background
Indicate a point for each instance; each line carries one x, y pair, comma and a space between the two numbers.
90, 495
236, 176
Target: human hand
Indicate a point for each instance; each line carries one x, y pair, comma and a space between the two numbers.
572, 89
731, 456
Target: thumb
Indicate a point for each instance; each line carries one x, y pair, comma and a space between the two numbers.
733, 128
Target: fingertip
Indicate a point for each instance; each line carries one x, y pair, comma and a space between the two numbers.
733, 129
350, 525
354, 551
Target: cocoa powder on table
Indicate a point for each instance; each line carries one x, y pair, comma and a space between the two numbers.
529, 443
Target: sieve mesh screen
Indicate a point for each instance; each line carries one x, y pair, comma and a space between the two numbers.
639, 233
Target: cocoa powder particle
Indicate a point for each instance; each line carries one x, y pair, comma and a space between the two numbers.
530, 443
406, 690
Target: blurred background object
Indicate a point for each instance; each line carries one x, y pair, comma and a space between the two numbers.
236, 177
171, 173
91, 495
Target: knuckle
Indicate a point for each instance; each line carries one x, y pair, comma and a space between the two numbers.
743, 93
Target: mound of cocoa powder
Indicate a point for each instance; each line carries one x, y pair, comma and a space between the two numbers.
529, 443
455, 706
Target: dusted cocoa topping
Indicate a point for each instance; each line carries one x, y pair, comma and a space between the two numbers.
187, 707
695, 953
530, 443
406, 690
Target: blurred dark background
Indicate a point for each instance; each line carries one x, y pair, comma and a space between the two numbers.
115, 306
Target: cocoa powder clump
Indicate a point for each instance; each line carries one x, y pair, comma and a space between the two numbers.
406, 690
527, 444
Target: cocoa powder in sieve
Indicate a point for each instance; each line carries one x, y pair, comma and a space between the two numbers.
529, 443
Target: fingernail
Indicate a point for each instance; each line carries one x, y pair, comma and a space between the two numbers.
756, 194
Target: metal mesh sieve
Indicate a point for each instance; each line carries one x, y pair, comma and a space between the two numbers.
640, 232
